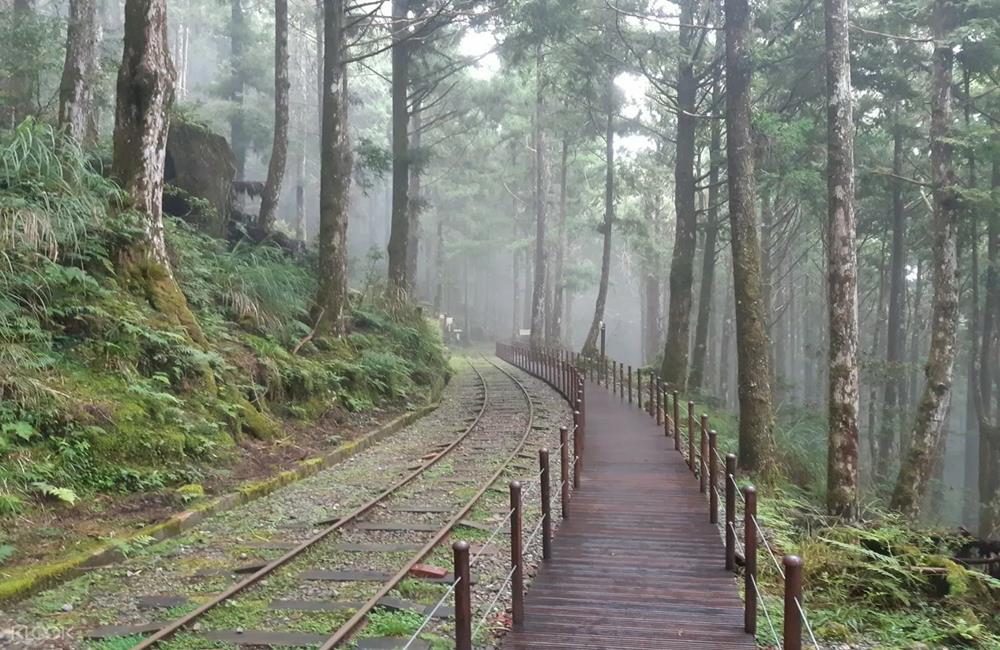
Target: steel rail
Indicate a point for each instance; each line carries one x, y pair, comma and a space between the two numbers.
352, 624
176, 625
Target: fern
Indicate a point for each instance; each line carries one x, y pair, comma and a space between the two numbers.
66, 495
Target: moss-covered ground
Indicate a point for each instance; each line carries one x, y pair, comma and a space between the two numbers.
881, 582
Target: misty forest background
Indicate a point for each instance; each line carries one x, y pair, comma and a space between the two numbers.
788, 211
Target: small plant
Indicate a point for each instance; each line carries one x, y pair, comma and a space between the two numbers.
66, 495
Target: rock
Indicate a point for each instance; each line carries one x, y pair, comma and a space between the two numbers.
202, 166
428, 571
67, 607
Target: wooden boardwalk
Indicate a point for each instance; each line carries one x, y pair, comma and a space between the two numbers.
637, 565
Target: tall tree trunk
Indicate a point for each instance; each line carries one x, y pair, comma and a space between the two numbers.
145, 91
300, 165
970, 500
76, 90
237, 119
590, 343
756, 438
916, 335
558, 277
674, 368
842, 272
988, 368
335, 175
23, 83
895, 385
400, 232
911, 485
538, 291
415, 204
439, 266
279, 147
697, 376
651, 327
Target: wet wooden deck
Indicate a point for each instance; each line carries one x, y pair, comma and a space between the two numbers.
637, 565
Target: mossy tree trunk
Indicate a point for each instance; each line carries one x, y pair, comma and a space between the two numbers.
145, 91
841, 272
77, 114
335, 175
932, 409
279, 147
756, 438
674, 369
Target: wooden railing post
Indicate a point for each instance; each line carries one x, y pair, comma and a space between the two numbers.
516, 555
463, 596
750, 561
564, 472
792, 638
545, 485
666, 409
630, 384
713, 477
651, 402
677, 422
638, 387
659, 405
577, 450
702, 451
730, 512
690, 435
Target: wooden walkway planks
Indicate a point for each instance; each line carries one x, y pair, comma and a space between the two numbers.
637, 565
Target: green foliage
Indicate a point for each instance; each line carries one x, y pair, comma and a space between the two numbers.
101, 392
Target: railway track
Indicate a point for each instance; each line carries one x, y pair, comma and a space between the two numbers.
348, 557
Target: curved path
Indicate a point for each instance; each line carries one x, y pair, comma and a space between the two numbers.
637, 565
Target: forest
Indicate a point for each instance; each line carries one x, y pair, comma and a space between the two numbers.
224, 224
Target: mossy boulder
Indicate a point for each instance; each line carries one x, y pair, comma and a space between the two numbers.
201, 165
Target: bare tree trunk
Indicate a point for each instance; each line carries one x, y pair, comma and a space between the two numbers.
842, 272
538, 291
988, 367
916, 334
697, 376
674, 368
415, 204
756, 438
237, 126
590, 343
76, 90
558, 279
911, 485
400, 232
279, 147
895, 386
335, 175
